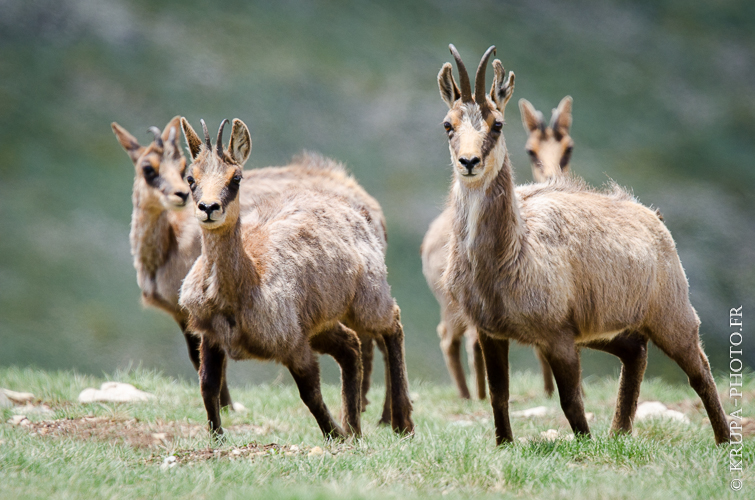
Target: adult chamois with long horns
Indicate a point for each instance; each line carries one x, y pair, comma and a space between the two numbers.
295, 276
557, 265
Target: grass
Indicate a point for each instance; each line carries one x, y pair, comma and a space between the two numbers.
110, 450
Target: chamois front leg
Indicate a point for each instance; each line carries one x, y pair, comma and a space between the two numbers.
306, 372
343, 345
211, 374
192, 343
385, 417
563, 358
496, 355
401, 405
450, 344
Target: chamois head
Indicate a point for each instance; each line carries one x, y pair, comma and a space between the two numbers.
215, 174
159, 166
474, 121
549, 146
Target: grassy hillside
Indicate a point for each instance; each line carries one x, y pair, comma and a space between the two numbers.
663, 103
124, 450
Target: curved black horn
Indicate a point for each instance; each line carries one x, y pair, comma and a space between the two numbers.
158, 136
219, 142
466, 88
206, 135
479, 79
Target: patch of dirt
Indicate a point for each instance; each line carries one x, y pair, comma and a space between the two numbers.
132, 431
251, 451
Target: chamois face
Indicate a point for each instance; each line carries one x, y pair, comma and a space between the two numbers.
160, 166
474, 123
549, 146
215, 174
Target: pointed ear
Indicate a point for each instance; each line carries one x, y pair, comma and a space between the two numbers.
532, 119
503, 88
241, 142
128, 142
449, 91
192, 139
561, 116
170, 137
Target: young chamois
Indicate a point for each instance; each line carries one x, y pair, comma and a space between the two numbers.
549, 148
295, 276
557, 265
164, 237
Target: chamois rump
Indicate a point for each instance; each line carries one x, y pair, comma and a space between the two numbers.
557, 265
294, 277
549, 148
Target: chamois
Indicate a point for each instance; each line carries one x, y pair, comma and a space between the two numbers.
164, 237
295, 276
549, 148
557, 265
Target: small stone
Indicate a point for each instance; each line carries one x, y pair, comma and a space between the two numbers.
589, 416
30, 409
316, 451
236, 451
294, 448
114, 392
238, 407
160, 436
19, 420
538, 411
656, 409
169, 462
550, 434
19, 398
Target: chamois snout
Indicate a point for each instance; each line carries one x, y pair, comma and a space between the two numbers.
469, 164
210, 213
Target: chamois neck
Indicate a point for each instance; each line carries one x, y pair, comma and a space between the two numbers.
153, 236
488, 223
232, 269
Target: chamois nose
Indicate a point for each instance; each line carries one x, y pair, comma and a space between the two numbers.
208, 209
469, 163
183, 195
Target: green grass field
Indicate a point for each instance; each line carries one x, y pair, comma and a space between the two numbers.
123, 450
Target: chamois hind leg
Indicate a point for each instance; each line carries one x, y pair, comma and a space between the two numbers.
306, 372
496, 354
563, 358
547, 373
682, 344
631, 348
343, 345
401, 405
476, 361
450, 343
385, 417
192, 343
211, 374
368, 355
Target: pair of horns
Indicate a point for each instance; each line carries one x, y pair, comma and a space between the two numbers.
218, 141
466, 88
158, 135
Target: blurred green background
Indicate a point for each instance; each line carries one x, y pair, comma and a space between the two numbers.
664, 103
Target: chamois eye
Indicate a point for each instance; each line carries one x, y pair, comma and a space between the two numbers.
449, 128
569, 150
149, 171
191, 181
236, 179
497, 126
532, 154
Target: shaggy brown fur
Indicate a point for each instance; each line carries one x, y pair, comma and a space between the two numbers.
288, 279
556, 265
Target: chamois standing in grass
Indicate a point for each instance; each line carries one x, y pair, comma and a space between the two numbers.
296, 276
557, 265
165, 237
549, 148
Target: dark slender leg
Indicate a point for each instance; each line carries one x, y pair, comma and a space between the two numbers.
343, 345
192, 343
547, 373
385, 417
450, 344
496, 355
476, 361
211, 373
368, 355
685, 349
401, 405
306, 373
631, 348
563, 357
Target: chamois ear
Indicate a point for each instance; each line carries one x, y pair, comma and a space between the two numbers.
561, 116
128, 142
192, 139
241, 142
449, 91
170, 137
503, 88
532, 119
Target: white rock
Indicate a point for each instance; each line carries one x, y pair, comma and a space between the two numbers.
656, 409
30, 409
114, 392
239, 407
538, 411
316, 451
19, 420
550, 434
294, 448
168, 462
18, 397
